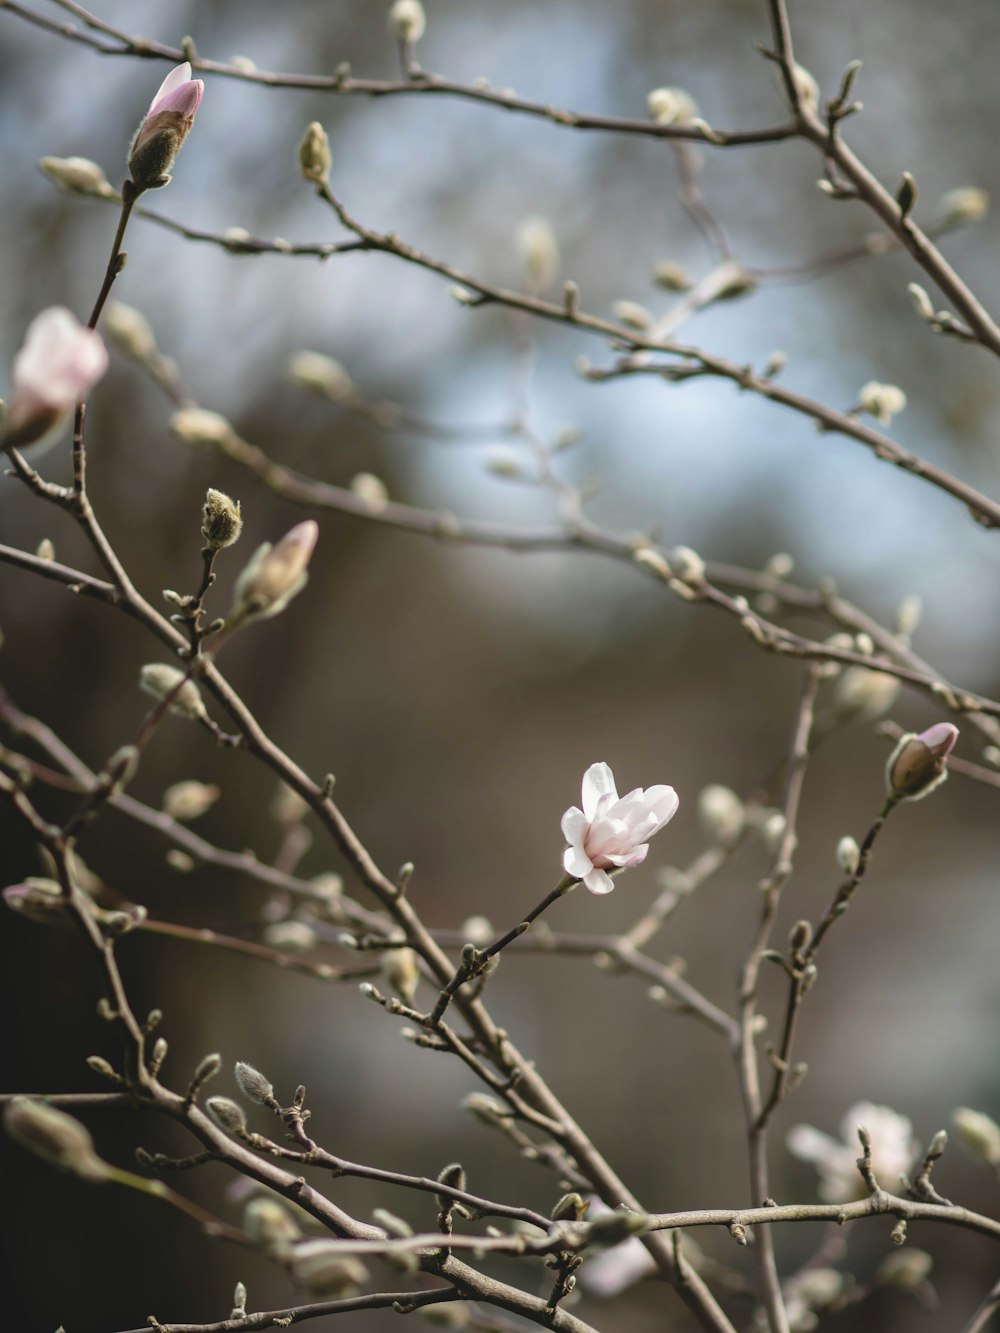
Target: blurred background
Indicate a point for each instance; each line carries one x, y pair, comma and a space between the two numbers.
459, 694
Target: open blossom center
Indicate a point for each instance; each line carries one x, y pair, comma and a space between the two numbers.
611, 830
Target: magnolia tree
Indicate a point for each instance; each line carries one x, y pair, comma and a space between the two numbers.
434, 1245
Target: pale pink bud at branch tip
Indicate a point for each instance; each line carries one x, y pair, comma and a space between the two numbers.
918, 764
58, 365
612, 831
276, 573
165, 127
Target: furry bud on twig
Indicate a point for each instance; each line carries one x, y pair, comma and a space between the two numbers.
221, 521
979, 1133
402, 973
254, 1085
721, 814
848, 855
161, 680
270, 1225
57, 1137
317, 1266
314, 154
671, 106
198, 425
228, 1114
881, 401
966, 204
80, 176
322, 374
539, 250
918, 763
130, 329
189, 800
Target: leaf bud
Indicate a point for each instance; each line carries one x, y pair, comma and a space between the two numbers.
671, 276
881, 401
130, 330
270, 1225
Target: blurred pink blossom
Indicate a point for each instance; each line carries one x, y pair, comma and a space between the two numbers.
893, 1151
58, 365
611, 830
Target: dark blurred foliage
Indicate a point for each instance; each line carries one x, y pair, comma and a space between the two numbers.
458, 694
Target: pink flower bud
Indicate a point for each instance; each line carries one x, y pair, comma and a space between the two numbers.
58, 365
918, 763
166, 125
612, 831
276, 574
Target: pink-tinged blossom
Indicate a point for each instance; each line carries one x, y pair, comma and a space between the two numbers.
893, 1151
275, 574
918, 764
611, 830
58, 365
165, 127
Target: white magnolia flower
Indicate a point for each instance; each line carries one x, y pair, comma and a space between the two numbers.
611, 830
893, 1150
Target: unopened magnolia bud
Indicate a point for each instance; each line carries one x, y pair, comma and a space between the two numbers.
395, 1225
371, 490
79, 175
228, 1114
904, 1268
478, 930
806, 86
290, 936
979, 1133
45, 549
180, 861
407, 20
239, 1299
270, 1225
197, 425
958, 207
253, 1084
772, 830
881, 401
189, 800
288, 806
55, 1136
164, 128
633, 314
818, 1288
918, 763
687, 564
37, 899
486, 1109
848, 855
921, 301
317, 1266
161, 680
453, 1175
908, 614
671, 106
863, 695
539, 251
314, 154
612, 1228
402, 973
130, 329
721, 813
275, 574
672, 276
221, 521
321, 374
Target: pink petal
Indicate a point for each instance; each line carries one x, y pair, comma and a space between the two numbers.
598, 781
577, 863
178, 92
598, 882
574, 825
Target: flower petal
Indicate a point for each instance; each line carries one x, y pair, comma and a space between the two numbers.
574, 826
598, 881
598, 781
577, 863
